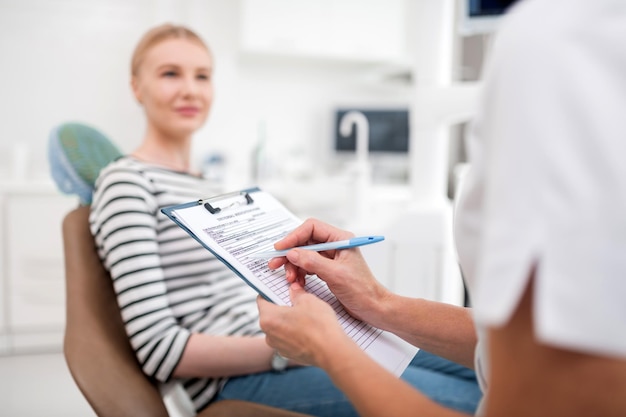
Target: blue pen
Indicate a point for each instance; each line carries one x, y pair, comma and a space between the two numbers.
340, 244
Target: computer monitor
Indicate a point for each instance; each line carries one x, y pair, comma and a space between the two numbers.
482, 16
388, 131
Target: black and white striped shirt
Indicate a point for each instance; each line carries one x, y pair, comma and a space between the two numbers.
168, 286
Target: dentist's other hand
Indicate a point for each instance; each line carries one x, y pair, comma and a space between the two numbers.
345, 271
306, 332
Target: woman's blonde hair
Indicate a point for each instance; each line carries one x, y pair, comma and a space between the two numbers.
157, 35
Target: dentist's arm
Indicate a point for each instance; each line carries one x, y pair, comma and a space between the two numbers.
527, 378
310, 333
439, 328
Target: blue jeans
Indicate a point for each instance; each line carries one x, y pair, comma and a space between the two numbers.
309, 390
444, 382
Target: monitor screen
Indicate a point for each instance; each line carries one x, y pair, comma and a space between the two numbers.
482, 16
488, 7
388, 131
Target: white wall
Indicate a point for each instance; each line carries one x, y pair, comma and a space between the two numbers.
68, 60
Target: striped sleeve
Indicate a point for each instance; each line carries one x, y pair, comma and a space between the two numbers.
124, 223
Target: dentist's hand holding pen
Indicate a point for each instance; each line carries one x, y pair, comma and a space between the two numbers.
304, 331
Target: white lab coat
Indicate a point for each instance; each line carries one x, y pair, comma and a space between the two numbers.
547, 184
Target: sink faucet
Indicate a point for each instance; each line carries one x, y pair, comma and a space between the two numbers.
360, 123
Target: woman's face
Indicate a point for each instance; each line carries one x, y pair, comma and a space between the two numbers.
173, 83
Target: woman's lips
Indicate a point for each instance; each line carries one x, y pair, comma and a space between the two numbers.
187, 111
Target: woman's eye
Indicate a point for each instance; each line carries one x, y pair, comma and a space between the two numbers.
203, 77
169, 74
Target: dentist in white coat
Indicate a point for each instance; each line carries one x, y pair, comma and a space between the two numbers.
540, 231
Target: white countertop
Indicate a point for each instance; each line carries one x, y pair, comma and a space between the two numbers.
38, 186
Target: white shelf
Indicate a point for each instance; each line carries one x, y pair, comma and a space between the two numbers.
445, 105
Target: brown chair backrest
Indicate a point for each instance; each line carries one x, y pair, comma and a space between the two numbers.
96, 347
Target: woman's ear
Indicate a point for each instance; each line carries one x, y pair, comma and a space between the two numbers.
134, 84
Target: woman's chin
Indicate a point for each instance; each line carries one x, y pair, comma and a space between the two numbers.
184, 130
190, 125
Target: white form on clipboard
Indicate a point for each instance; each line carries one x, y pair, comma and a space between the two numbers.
237, 225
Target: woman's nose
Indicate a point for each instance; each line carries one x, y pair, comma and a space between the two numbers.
190, 86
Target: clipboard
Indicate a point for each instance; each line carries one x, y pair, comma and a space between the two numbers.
215, 206
236, 225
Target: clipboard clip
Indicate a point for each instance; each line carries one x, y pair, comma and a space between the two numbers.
214, 209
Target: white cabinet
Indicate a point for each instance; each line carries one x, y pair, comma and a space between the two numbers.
362, 30
33, 290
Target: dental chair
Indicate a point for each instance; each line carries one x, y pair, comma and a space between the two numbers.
96, 348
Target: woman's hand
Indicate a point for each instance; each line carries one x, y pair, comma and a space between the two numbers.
345, 271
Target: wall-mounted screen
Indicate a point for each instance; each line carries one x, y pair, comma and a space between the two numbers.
482, 16
388, 131
488, 7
